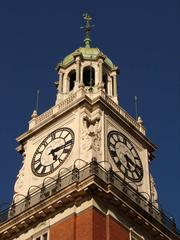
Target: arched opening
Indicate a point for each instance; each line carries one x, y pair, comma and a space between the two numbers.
72, 79
89, 76
105, 81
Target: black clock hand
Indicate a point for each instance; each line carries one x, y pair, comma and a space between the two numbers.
53, 151
129, 162
56, 149
54, 156
137, 168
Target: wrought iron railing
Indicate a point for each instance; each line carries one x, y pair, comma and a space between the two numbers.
78, 175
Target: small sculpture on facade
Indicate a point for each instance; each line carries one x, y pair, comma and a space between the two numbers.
91, 136
20, 178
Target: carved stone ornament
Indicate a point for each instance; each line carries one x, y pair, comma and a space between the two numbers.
20, 178
154, 195
91, 134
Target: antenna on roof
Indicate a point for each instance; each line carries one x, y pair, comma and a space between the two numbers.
136, 107
37, 101
35, 112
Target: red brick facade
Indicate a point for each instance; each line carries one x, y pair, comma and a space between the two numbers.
116, 230
64, 230
88, 225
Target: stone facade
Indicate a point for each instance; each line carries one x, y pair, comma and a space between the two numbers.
91, 120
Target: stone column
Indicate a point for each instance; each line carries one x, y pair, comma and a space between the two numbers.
77, 70
109, 86
60, 85
101, 85
81, 84
115, 84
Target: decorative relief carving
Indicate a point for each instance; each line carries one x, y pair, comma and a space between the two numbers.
91, 134
154, 195
20, 177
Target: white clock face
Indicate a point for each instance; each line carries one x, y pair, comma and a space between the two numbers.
125, 156
52, 152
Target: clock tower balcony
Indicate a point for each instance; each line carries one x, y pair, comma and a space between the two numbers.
98, 189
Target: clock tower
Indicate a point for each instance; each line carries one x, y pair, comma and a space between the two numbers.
85, 163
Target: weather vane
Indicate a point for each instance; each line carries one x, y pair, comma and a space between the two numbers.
87, 28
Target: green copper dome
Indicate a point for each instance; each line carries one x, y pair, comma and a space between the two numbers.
85, 54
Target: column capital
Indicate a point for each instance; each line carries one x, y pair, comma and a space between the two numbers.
77, 59
61, 71
114, 73
100, 61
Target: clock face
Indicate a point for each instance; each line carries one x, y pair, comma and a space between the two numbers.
125, 156
52, 152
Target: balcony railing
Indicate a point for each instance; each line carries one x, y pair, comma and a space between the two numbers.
78, 175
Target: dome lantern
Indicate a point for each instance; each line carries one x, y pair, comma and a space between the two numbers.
89, 68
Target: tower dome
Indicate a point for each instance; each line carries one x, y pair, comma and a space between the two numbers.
89, 68
86, 54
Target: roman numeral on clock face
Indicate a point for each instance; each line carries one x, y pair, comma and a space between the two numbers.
43, 170
69, 142
113, 153
138, 170
66, 150
38, 165
52, 152
125, 156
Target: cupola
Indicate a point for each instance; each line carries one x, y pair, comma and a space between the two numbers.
88, 68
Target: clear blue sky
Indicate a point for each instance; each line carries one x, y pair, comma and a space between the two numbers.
141, 37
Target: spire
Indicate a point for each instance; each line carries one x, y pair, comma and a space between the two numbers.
87, 28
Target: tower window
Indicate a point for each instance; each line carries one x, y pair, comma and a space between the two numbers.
135, 236
105, 80
72, 79
43, 236
89, 76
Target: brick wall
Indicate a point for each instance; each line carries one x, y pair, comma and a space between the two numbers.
88, 225
63, 230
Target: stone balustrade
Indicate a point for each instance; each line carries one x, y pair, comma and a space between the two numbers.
65, 104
